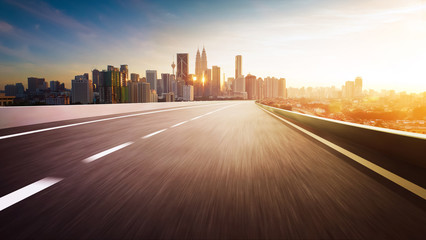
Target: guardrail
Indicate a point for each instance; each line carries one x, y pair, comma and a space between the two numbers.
405, 146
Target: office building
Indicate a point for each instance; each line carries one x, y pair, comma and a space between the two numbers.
349, 89
358, 87
182, 67
10, 90
188, 93
215, 86
81, 91
166, 83
238, 66
151, 78
250, 85
134, 77
95, 80
35, 84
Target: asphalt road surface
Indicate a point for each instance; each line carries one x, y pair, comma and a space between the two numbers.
223, 170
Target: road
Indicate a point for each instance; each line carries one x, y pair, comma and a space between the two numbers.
223, 170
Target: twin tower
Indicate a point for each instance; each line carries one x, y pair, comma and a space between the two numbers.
200, 63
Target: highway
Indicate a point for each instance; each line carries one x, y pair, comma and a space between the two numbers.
225, 170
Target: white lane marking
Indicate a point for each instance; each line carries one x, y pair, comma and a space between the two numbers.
213, 111
178, 124
106, 152
27, 191
100, 120
419, 191
154, 133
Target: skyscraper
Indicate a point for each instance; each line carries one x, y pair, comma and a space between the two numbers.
251, 86
198, 70
215, 81
34, 84
81, 91
151, 78
358, 87
124, 74
203, 61
165, 78
95, 79
182, 67
134, 77
238, 66
349, 89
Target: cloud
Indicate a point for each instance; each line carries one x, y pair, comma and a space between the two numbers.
44, 10
5, 27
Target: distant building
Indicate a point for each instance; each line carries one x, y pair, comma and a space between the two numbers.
182, 67
151, 78
349, 89
6, 100
95, 80
240, 84
238, 66
215, 82
134, 77
10, 90
166, 83
81, 91
188, 93
358, 87
250, 84
57, 100
146, 92
35, 84
20, 90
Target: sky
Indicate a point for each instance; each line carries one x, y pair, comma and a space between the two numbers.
310, 43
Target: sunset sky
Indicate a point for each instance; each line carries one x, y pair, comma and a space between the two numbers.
310, 43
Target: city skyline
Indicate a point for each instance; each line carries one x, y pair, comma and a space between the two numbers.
336, 41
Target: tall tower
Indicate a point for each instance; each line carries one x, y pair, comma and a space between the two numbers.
173, 67
358, 87
238, 66
198, 70
182, 67
203, 61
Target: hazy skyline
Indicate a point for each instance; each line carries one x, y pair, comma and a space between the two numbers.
310, 43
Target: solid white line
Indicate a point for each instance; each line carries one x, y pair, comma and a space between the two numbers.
106, 152
178, 124
152, 134
101, 120
27, 191
419, 191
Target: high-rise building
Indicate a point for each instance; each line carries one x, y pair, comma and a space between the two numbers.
358, 87
95, 80
250, 83
240, 84
238, 66
203, 61
124, 74
208, 83
133, 91
182, 67
20, 90
151, 78
10, 90
188, 93
349, 89
282, 93
198, 71
81, 91
110, 85
215, 81
165, 78
34, 84
146, 92
134, 77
